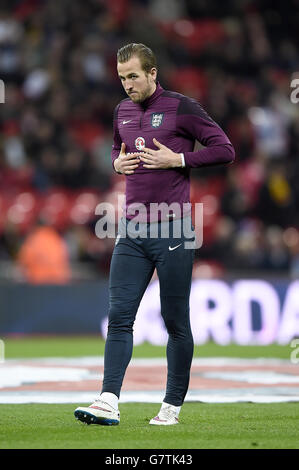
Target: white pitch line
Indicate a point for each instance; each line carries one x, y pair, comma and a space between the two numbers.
139, 397
17, 372
156, 361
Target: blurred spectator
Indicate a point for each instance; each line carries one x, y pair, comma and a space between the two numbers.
278, 257
291, 239
235, 201
276, 203
43, 257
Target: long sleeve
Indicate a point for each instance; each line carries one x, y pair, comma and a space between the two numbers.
194, 123
116, 138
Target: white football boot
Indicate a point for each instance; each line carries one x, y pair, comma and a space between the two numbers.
166, 416
98, 412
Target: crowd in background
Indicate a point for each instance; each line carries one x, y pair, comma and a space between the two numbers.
238, 58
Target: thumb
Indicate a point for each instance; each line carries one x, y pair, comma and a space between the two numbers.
157, 143
123, 148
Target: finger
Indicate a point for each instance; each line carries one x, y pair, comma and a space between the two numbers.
152, 156
147, 159
130, 167
150, 166
158, 144
150, 151
131, 163
131, 156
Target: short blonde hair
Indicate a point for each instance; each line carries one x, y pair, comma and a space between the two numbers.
145, 54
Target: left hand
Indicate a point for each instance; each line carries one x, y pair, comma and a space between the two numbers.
160, 159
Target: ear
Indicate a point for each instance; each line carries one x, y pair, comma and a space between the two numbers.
154, 73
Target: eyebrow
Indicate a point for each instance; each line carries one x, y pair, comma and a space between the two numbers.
129, 74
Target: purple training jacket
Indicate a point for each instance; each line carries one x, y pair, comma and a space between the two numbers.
176, 121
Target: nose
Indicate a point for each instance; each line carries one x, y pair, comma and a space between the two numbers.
128, 84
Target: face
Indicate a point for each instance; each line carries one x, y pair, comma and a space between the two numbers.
138, 84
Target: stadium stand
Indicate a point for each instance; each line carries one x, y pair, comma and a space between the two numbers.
57, 60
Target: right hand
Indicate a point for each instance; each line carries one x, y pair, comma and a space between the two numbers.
126, 163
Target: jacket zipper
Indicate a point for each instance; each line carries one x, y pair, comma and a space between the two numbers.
141, 118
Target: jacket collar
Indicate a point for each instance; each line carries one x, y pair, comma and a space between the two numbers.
151, 99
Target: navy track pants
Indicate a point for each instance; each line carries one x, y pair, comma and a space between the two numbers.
132, 265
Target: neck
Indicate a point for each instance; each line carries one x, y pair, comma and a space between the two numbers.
151, 93
153, 88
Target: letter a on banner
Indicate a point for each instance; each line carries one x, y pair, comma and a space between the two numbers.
246, 292
289, 327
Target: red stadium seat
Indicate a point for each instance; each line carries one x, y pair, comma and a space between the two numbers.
85, 133
22, 210
195, 35
4, 204
56, 208
83, 207
208, 194
189, 80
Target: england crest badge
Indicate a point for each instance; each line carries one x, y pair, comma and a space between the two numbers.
157, 119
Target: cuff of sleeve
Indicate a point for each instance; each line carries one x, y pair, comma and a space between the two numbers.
183, 160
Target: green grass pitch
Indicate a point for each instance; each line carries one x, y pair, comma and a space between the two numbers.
202, 426
69, 346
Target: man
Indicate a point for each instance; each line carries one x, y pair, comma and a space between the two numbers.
154, 135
